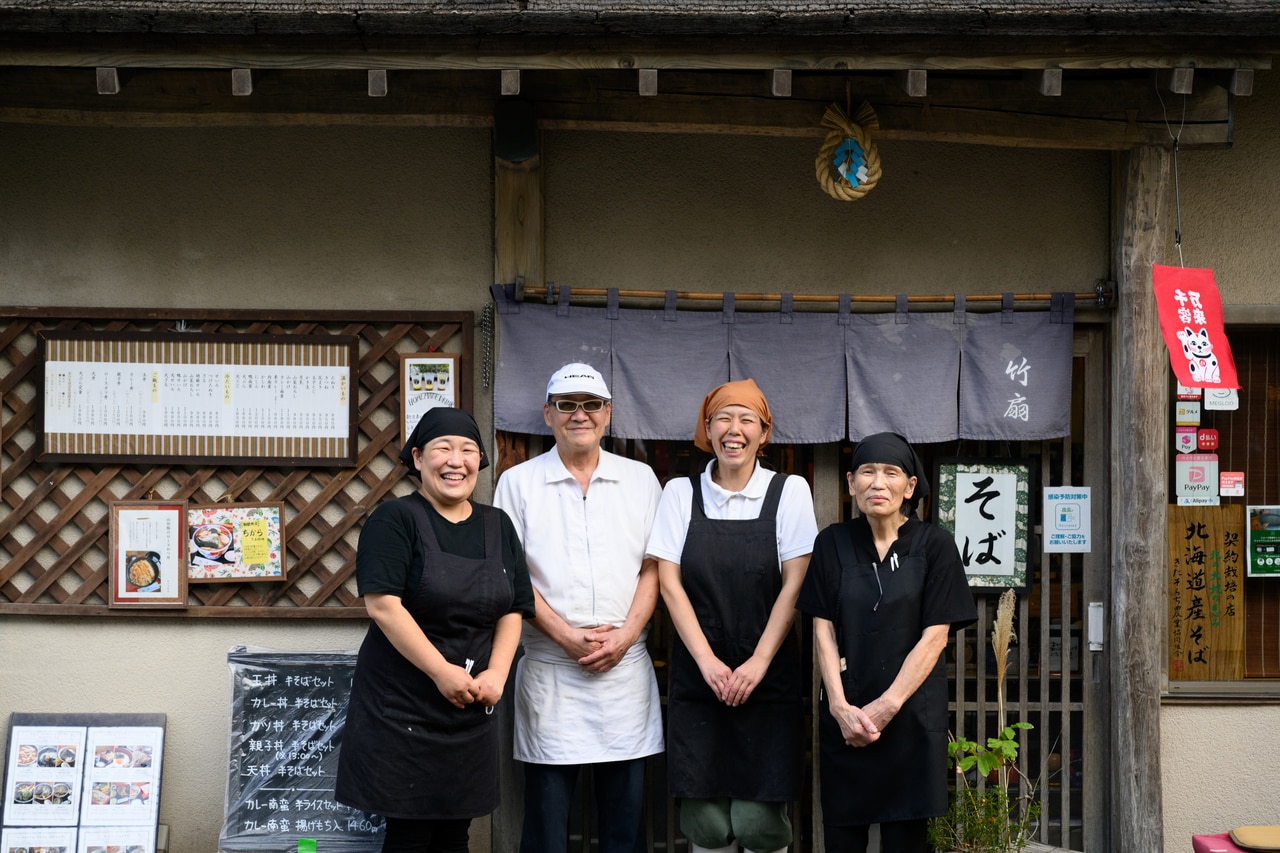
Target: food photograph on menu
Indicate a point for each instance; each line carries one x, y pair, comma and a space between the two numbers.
44, 776
122, 776
235, 542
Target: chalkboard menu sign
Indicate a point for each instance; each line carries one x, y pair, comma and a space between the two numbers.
287, 713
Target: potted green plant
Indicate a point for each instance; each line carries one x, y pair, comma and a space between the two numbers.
983, 818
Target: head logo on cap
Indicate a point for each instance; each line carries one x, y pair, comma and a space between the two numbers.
578, 378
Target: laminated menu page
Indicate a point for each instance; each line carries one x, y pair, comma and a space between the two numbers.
122, 777
44, 776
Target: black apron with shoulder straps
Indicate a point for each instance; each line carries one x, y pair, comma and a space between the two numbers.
901, 776
730, 571
406, 751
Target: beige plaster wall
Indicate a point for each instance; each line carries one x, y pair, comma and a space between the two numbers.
246, 218
1231, 201
742, 213
1221, 768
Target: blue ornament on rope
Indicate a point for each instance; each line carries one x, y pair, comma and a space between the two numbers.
850, 161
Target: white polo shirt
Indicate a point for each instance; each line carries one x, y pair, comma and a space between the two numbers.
584, 554
796, 526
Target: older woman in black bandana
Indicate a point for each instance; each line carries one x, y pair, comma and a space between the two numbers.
885, 590
445, 583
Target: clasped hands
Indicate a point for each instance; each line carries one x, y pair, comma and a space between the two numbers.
733, 687
461, 689
862, 726
597, 649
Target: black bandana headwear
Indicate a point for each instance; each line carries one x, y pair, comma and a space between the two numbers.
889, 448
439, 421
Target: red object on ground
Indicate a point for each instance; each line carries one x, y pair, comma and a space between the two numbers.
1220, 843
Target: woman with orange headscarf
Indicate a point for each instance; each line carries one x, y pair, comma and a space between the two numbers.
732, 545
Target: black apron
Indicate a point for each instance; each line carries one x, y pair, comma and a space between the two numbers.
903, 775
406, 751
729, 570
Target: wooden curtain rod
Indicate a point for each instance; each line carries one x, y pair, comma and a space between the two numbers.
1100, 296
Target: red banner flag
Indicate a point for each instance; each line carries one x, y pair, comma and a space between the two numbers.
1191, 322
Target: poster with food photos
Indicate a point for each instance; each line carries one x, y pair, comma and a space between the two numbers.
44, 778
117, 839
122, 777
46, 839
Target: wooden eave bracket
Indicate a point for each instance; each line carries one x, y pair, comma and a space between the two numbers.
108, 81
780, 83
1046, 81
648, 82
1177, 80
913, 81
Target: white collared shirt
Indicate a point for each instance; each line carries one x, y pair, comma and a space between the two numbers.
796, 527
584, 555
584, 551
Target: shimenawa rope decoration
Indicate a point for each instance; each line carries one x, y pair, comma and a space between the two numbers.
848, 164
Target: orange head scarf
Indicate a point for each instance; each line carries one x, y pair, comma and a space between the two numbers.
744, 392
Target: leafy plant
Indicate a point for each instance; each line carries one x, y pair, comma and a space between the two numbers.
984, 819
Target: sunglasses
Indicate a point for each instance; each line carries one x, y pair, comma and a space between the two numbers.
568, 407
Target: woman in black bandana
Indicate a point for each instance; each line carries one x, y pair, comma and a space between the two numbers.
885, 590
445, 583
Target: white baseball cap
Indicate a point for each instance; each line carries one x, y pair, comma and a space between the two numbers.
578, 378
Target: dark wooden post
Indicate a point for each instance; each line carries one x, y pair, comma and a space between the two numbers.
1139, 477
518, 257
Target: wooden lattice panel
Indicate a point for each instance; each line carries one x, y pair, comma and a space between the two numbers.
54, 517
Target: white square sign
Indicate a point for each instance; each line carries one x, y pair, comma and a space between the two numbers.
1066, 519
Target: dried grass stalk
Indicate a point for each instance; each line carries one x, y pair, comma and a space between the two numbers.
1001, 636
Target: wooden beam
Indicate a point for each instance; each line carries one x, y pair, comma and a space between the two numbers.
1047, 81
648, 82
377, 82
1139, 470
241, 82
780, 83
498, 53
1177, 80
510, 82
1092, 113
913, 81
108, 81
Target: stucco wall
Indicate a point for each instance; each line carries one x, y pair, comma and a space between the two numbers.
1221, 768
655, 211
1231, 200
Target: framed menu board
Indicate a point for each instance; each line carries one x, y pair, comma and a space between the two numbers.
193, 397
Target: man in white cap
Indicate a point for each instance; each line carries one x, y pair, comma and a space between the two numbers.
585, 690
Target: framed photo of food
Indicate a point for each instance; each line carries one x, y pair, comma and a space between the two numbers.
235, 542
427, 380
147, 563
